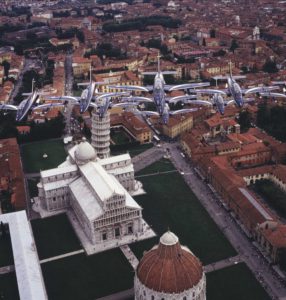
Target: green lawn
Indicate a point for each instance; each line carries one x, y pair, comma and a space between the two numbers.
169, 203
32, 155
8, 287
87, 277
132, 150
32, 186
275, 197
163, 165
54, 236
235, 283
6, 253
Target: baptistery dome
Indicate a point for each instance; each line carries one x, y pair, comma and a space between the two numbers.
170, 271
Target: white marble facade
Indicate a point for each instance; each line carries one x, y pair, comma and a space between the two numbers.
97, 191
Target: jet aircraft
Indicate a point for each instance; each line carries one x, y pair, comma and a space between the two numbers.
159, 90
86, 97
235, 91
23, 108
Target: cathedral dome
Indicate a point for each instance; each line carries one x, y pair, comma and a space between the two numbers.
170, 268
84, 152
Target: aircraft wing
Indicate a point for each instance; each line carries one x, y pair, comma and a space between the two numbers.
8, 107
108, 95
63, 98
182, 98
137, 99
88, 83
130, 87
182, 111
185, 86
211, 91
149, 113
247, 100
200, 102
278, 95
220, 77
48, 105
263, 89
229, 102
125, 104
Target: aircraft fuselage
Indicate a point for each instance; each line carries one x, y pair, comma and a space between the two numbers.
235, 91
25, 106
86, 97
159, 93
219, 102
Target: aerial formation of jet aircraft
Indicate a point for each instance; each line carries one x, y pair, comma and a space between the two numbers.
24, 107
159, 90
86, 97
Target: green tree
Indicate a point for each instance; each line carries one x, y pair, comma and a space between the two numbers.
234, 45
270, 67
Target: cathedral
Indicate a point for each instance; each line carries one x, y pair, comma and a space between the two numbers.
97, 191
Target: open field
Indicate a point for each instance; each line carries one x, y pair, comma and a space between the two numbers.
32, 155
87, 277
235, 283
54, 236
8, 287
6, 253
170, 204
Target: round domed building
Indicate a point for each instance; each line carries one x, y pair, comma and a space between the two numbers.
169, 271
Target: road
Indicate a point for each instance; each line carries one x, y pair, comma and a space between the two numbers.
243, 245
28, 62
147, 158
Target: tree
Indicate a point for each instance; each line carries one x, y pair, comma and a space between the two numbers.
80, 36
233, 46
6, 66
245, 120
270, 67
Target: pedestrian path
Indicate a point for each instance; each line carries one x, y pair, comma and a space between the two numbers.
130, 256
61, 256
223, 264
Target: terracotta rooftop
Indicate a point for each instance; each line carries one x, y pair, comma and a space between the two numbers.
169, 268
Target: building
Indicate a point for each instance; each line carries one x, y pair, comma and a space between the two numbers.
95, 192
176, 125
11, 173
170, 271
133, 125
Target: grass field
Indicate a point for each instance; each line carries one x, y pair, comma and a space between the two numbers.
87, 277
8, 287
32, 155
6, 253
54, 236
169, 203
235, 283
133, 150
